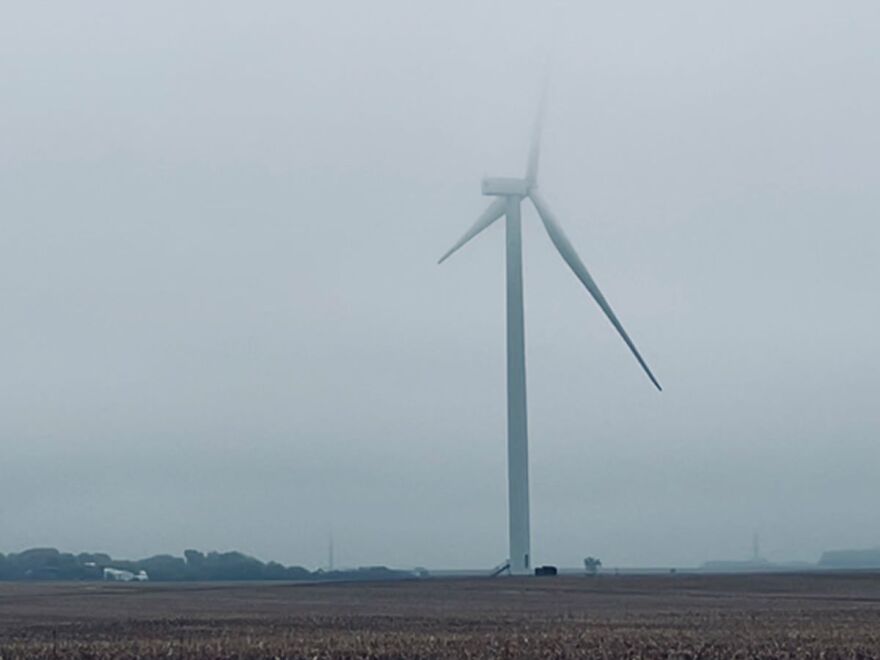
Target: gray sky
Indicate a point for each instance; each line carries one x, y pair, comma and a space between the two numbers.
222, 324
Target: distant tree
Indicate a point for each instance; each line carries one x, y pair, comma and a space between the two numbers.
233, 566
67, 563
37, 557
194, 557
159, 567
98, 558
591, 565
274, 571
298, 573
195, 564
50, 564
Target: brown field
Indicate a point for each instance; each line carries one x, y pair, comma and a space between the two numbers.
674, 616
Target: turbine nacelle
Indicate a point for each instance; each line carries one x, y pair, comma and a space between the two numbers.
503, 186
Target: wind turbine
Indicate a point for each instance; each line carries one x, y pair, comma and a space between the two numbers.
509, 194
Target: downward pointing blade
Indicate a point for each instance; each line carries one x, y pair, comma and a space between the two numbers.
490, 215
560, 240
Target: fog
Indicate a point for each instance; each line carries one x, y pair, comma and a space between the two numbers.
222, 324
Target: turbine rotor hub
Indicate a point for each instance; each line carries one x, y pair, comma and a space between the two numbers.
505, 186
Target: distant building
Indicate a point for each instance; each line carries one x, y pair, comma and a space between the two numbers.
733, 566
118, 575
869, 558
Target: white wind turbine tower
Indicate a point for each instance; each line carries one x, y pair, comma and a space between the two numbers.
509, 194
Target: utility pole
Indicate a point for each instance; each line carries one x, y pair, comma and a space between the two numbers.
330, 552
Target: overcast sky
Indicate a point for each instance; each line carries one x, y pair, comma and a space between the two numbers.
222, 324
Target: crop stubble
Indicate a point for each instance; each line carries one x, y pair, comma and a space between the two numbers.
675, 616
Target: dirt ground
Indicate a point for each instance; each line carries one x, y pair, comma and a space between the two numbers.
830, 615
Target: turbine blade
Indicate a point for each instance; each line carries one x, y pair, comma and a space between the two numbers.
490, 215
560, 240
535, 146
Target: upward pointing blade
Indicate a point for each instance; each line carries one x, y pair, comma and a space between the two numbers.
560, 240
490, 215
535, 146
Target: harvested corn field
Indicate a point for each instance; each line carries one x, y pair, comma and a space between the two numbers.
680, 616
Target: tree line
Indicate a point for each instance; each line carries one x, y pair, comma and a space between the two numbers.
52, 564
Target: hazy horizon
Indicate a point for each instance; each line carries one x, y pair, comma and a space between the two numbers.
223, 325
